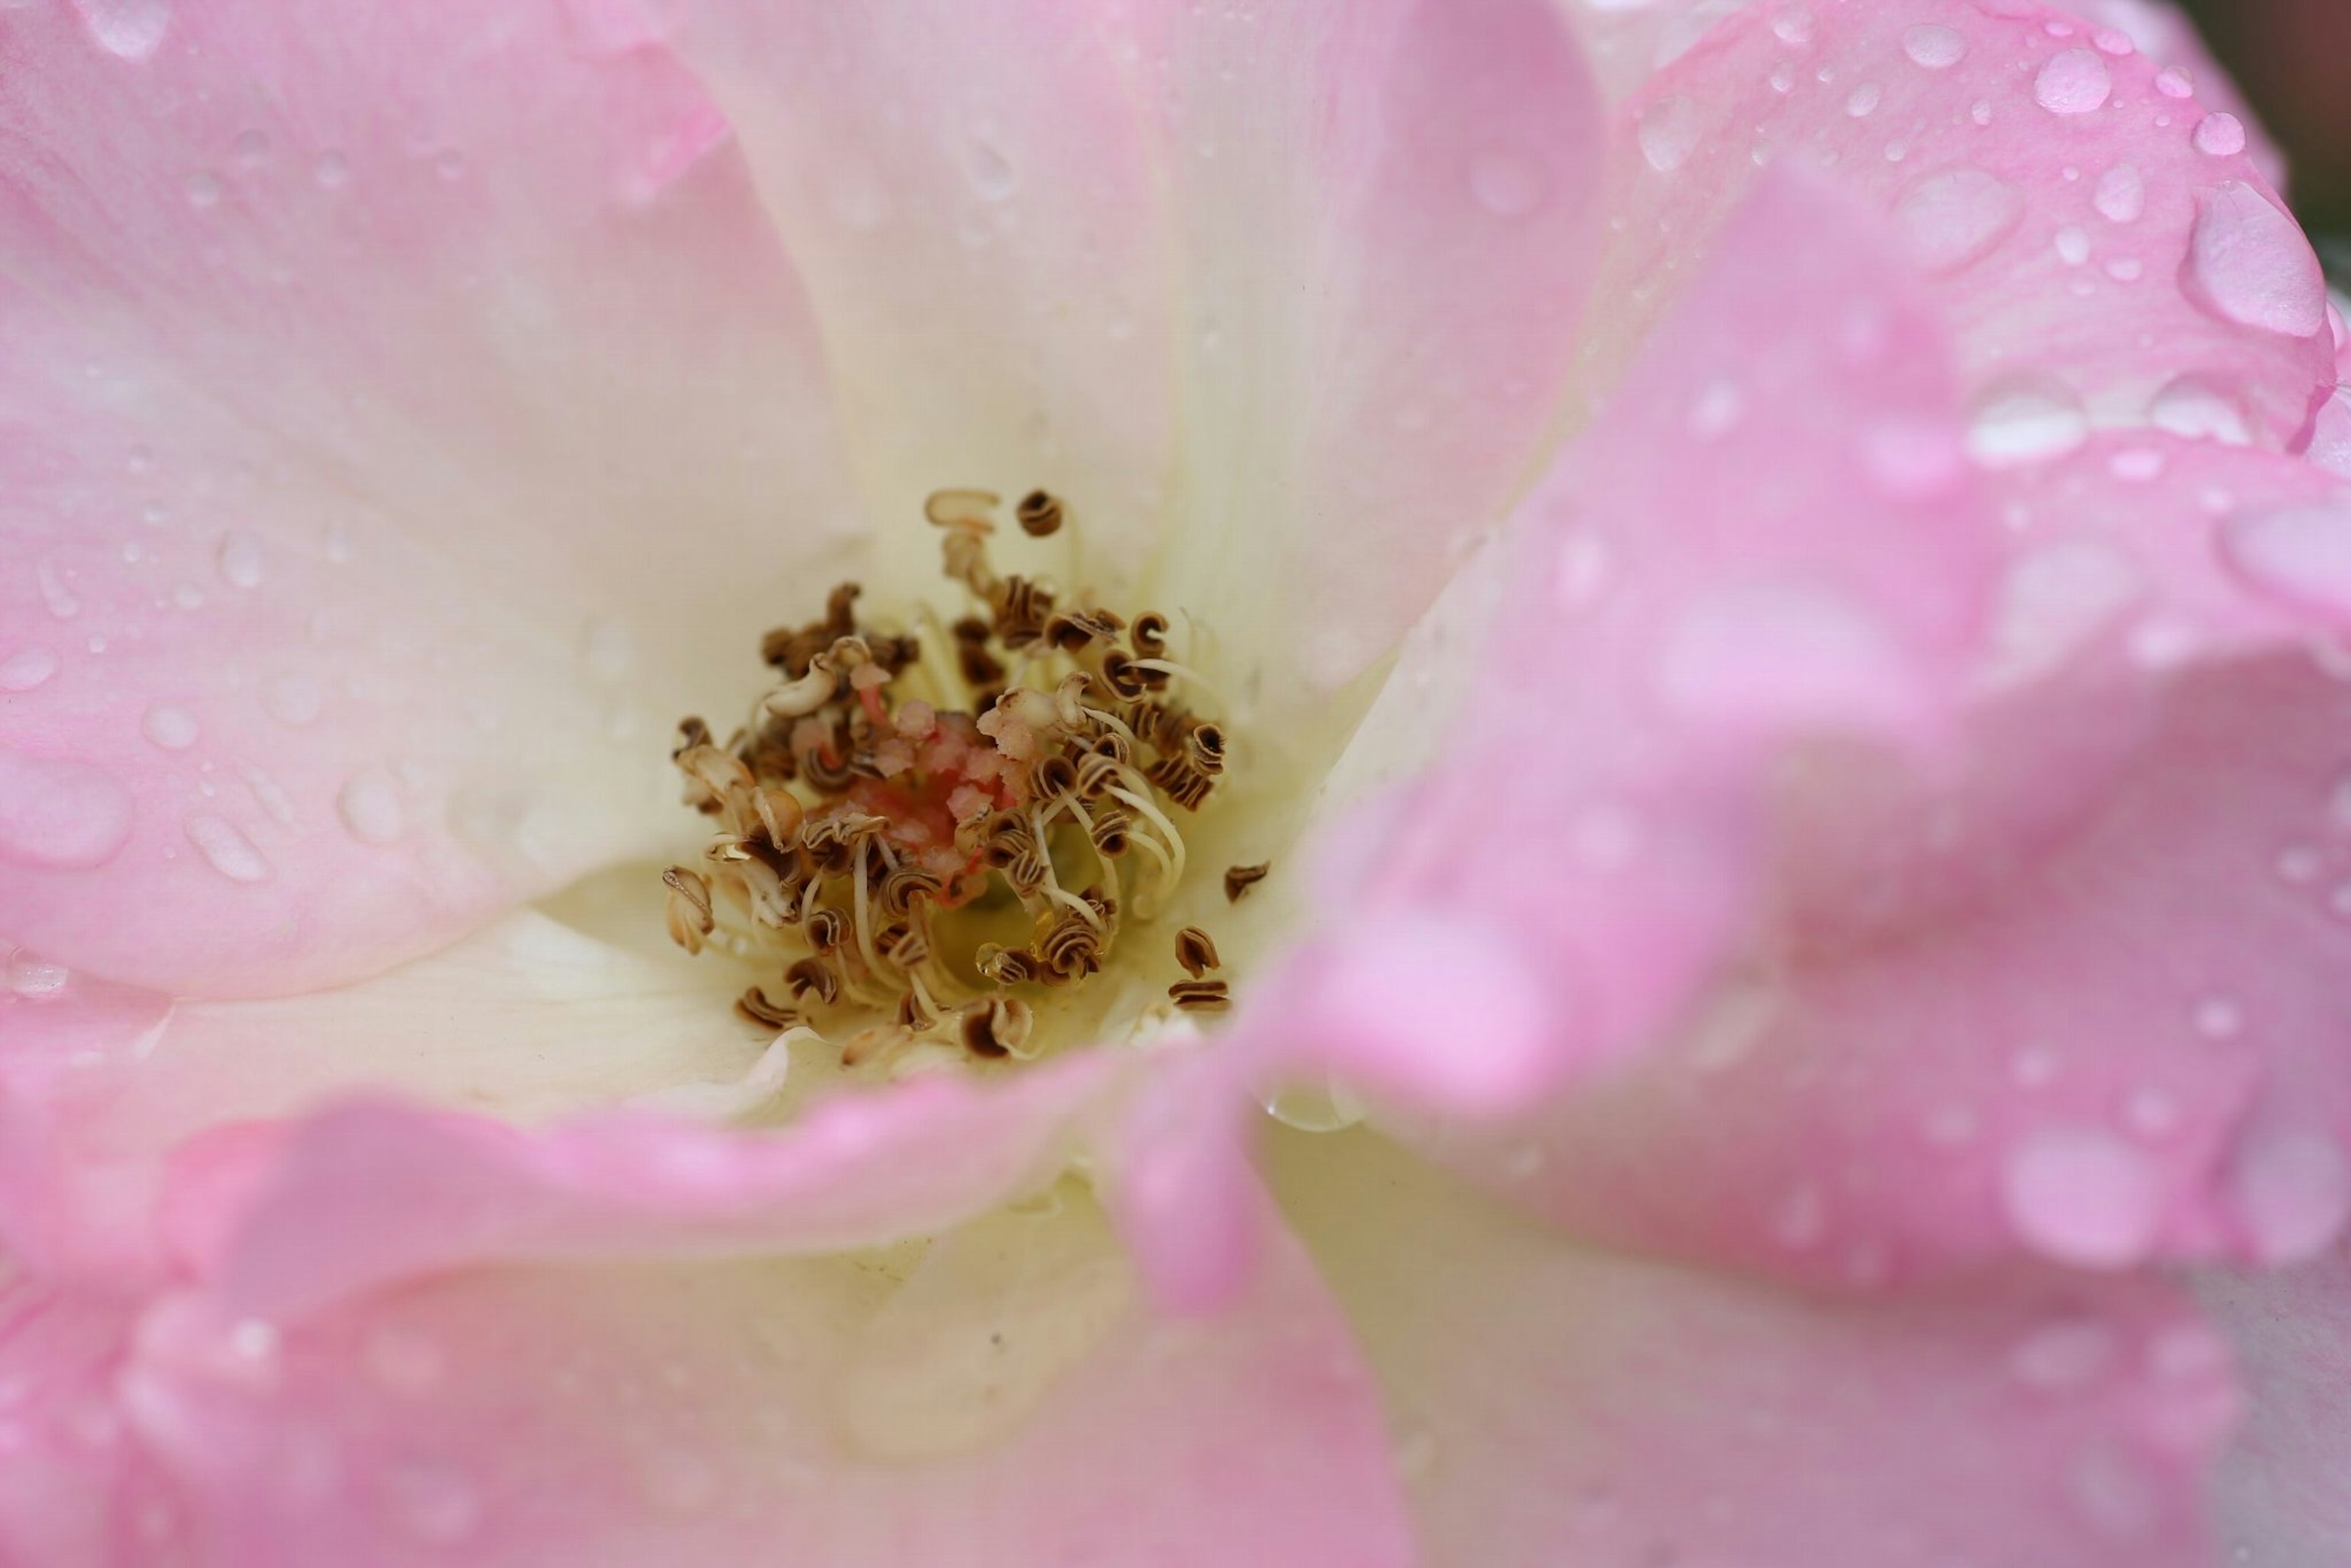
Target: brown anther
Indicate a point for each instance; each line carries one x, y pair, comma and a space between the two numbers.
981, 670
997, 1026
895, 653
1180, 781
1052, 778
972, 628
1005, 965
1110, 743
688, 908
1040, 515
901, 887
1201, 996
1071, 950
875, 1040
827, 929
1157, 725
913, 1016
1204, 748
961, 509
814, 977
1021, 608
1096, 774
1114, 829
690, 733
840, 610
754, 1006
1013, 849
1119, 673
1239, 878
1074, 631
1149, 635
1196, 951
827, 767
780, 813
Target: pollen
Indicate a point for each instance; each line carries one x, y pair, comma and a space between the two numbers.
922, 832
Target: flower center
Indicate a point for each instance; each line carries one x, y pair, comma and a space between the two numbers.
926, 831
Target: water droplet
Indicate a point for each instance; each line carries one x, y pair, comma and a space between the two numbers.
172, 728
2064, 1355
1793, 26
2075, 81
2293, 1192
449, 163
64, 815
1863, 101
226, 848
332, 169
2081, 1196
202, 189
2219, 135
2121, 195
1936, 48
2218, 1018
292, 698
2072, 246
2301, 554
1782, 649
30, 975
26, 668
128, 29
2138, 464
1669, 133
1717, 411
1954, 219
369, 804
2150, 1112
2193, 407
1507, 184
250, 150
240, 559
2249, 263
989, 171
2025, 422
2175, 83
55, 594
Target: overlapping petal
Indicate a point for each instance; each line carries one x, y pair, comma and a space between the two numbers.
352, 356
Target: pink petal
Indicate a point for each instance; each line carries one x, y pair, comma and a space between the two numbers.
1770, 533
2097, 232
370, 1194
2281, 1494
1555, 1404
996, 1395
350, 356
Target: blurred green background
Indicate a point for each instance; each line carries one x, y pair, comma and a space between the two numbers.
2293, 59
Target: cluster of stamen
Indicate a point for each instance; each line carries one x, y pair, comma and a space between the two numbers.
922, 832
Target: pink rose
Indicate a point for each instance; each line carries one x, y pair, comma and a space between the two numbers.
1768, 578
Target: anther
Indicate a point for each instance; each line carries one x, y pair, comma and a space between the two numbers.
754, 1006
814, 977
1201, 996
1180, 781
960, 508
1038, 513
690, 919
1204, 748
827, 929
1005, 965
690, 733
1239, 878
1195, 950
1149, 635
997, 1026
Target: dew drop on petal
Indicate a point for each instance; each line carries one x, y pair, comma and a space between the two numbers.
2219, 135
331, 169
2028, 420
2121, 195
2075, 81
369, 805
127, 30
2072, 246
1934, 47
2063, 1354
2082, 1195
2301, 554
2249, 263
203, 189
1864, 101
1955, 218
2293, 1191
294, 699
1669, 133
1793, 26
58, 814
2175, 83
990, 171
240, 559
30, 975
172, 728
26, 668
2194, 408
226, 848
1507, 184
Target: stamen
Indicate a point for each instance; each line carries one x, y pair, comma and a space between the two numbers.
1239, 878
1201, 996
1195, 950
690, 919
1040, 515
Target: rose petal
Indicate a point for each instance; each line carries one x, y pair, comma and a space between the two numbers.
353, 361
996, 1394
2091, 247
1557, 1405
